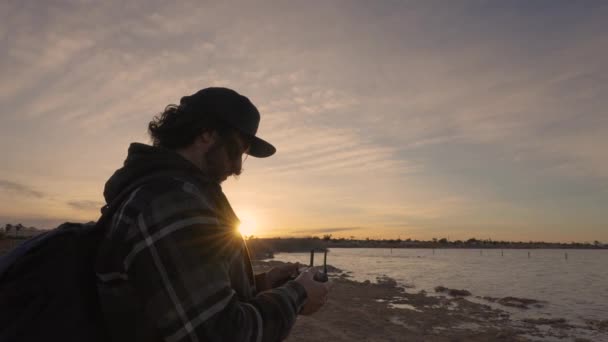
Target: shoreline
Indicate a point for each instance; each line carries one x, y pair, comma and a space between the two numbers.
385, 311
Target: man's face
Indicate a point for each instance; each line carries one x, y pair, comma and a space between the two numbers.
225, 157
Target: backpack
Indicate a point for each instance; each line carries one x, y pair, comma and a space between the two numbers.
48, 288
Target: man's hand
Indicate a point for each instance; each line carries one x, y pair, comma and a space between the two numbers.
279, 275
316, 291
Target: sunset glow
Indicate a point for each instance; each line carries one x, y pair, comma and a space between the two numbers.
391, 119
248, 226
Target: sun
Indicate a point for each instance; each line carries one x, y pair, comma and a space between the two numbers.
248, 226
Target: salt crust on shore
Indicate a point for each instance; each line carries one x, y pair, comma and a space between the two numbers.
383, 311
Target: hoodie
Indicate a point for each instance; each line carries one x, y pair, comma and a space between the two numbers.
172, 266
143, 160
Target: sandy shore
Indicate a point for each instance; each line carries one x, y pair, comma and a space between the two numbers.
384, 311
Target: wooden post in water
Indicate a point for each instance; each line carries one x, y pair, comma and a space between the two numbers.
433, 251
325, 262
528, 255
480, 252
312, 257
502, 253
566, 255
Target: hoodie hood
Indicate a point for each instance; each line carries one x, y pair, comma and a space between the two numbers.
143, 160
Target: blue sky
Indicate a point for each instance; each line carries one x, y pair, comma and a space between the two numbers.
391, 118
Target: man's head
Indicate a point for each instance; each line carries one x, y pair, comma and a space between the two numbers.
212, 128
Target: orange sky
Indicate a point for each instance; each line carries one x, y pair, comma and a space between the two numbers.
391, 120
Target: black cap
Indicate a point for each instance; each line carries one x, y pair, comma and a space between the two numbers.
234, 109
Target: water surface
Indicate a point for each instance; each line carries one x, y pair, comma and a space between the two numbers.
575, 288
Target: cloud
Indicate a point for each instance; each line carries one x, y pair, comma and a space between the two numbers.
367, 100
325, 150
19, 189
86, 205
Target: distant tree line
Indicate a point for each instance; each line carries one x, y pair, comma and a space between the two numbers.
18, 231
261, 248
446, 243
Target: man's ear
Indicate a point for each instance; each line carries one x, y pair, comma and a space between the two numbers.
205, 140
207, 137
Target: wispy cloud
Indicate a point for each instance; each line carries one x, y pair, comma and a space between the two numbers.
85, 205
382, 111
19, 189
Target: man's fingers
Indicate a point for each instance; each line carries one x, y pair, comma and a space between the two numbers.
305, 274
307, 270
295, 268
326, 287
289, 268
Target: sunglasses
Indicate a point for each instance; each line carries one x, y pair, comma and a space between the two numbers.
237, 146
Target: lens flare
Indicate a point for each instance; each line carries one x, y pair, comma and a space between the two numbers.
248, 226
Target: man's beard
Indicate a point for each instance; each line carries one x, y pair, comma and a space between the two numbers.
216, 169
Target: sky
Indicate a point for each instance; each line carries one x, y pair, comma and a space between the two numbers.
392, 119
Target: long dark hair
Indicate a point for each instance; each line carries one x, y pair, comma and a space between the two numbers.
177, 127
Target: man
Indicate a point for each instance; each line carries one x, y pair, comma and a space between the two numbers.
172, 266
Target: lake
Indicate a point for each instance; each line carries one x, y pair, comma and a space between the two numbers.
574, 288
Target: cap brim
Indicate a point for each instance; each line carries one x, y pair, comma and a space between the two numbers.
260, 148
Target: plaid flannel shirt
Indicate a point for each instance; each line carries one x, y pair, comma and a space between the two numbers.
172, 267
